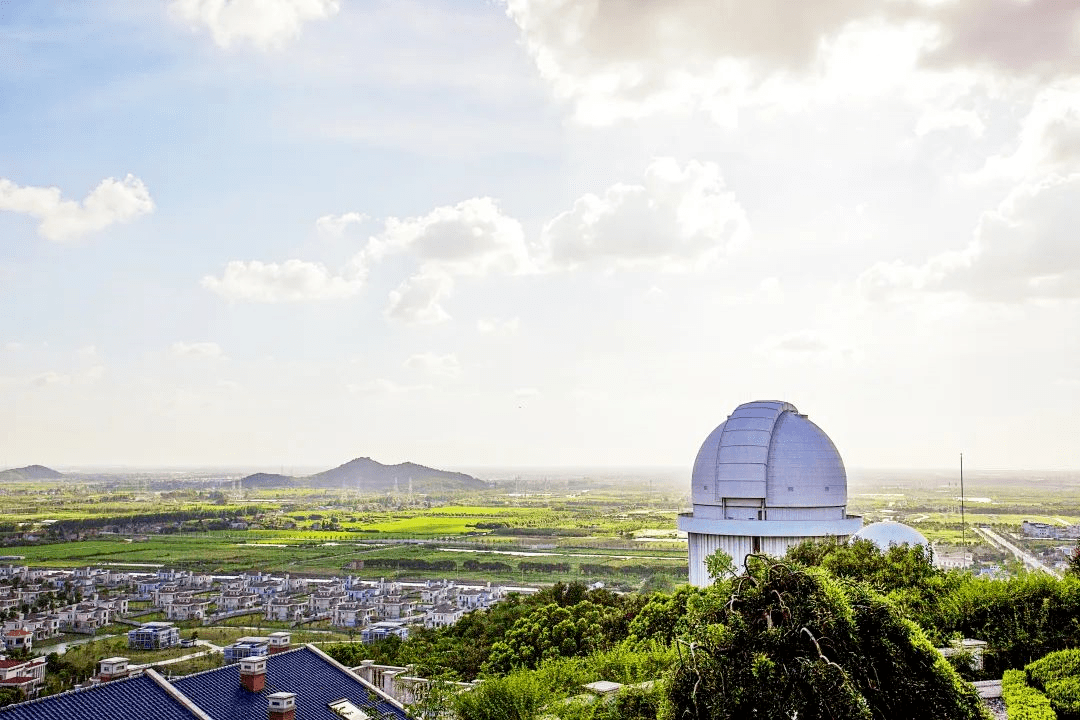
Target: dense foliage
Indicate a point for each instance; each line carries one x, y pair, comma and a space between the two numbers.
1022, 701
1058, 676
519, 632
832, 631
1022, 618
788, 641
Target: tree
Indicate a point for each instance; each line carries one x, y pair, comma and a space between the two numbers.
790, 641
9, 696
720, 565
1074, 561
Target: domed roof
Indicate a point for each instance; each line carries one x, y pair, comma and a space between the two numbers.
768, 450
889, 532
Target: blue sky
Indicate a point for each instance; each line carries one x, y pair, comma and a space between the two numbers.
291, 232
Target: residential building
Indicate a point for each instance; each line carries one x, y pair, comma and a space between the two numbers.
153, 636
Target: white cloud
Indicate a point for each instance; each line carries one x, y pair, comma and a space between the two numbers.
433, 364
1049, 139
936, 119
1025, 249
472, 238
496, 326
266, 24
13, 346
619, 58
291, 281
679, 219
197, 349
335, 225
112, 201
88, 352
418, 300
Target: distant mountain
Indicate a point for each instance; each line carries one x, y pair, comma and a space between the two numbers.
265, 480
369, 476
30, 472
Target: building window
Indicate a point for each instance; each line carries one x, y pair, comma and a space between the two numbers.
755, 545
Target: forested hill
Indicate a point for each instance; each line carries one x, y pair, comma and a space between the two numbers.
370, 476
30, 472
367, 475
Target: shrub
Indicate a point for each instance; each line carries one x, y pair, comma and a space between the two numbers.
1058, 676
1055, 666
1022, 701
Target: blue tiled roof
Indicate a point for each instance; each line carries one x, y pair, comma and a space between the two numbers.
315, 681
138, 698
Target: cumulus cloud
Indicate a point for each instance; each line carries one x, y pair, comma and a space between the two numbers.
112, 201
335, 225
197, 349
1025, 249
419, 299
621, 58
434, 364
1049, 139
1033, 38
266, 24
679, 218
472, 238
291, 281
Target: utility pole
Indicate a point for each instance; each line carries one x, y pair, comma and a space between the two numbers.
963, 525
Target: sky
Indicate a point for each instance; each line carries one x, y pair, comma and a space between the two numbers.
537, 232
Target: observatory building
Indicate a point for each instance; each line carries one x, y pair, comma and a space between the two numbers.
764, 480
889, 532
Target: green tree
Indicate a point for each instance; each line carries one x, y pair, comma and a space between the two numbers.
790, 641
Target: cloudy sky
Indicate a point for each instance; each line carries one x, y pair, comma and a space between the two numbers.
537, 232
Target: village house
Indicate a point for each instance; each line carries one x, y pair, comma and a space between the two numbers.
27, 676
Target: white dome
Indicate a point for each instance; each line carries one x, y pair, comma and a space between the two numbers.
767, 450
889, 532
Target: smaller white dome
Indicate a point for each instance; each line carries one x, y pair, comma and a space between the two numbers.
889, 532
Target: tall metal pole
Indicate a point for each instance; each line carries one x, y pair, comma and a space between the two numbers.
963, 525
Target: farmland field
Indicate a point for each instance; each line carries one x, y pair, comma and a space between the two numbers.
619, 533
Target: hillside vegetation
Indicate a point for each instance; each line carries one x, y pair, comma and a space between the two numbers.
831, 631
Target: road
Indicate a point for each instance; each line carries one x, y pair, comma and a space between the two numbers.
1022, 555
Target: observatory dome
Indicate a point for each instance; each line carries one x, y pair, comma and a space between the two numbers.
889, 532
770, 451
765, 479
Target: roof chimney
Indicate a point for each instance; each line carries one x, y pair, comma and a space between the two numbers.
281, 706
279, 642
253, 673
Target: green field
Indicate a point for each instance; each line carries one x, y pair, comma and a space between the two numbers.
617, 534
